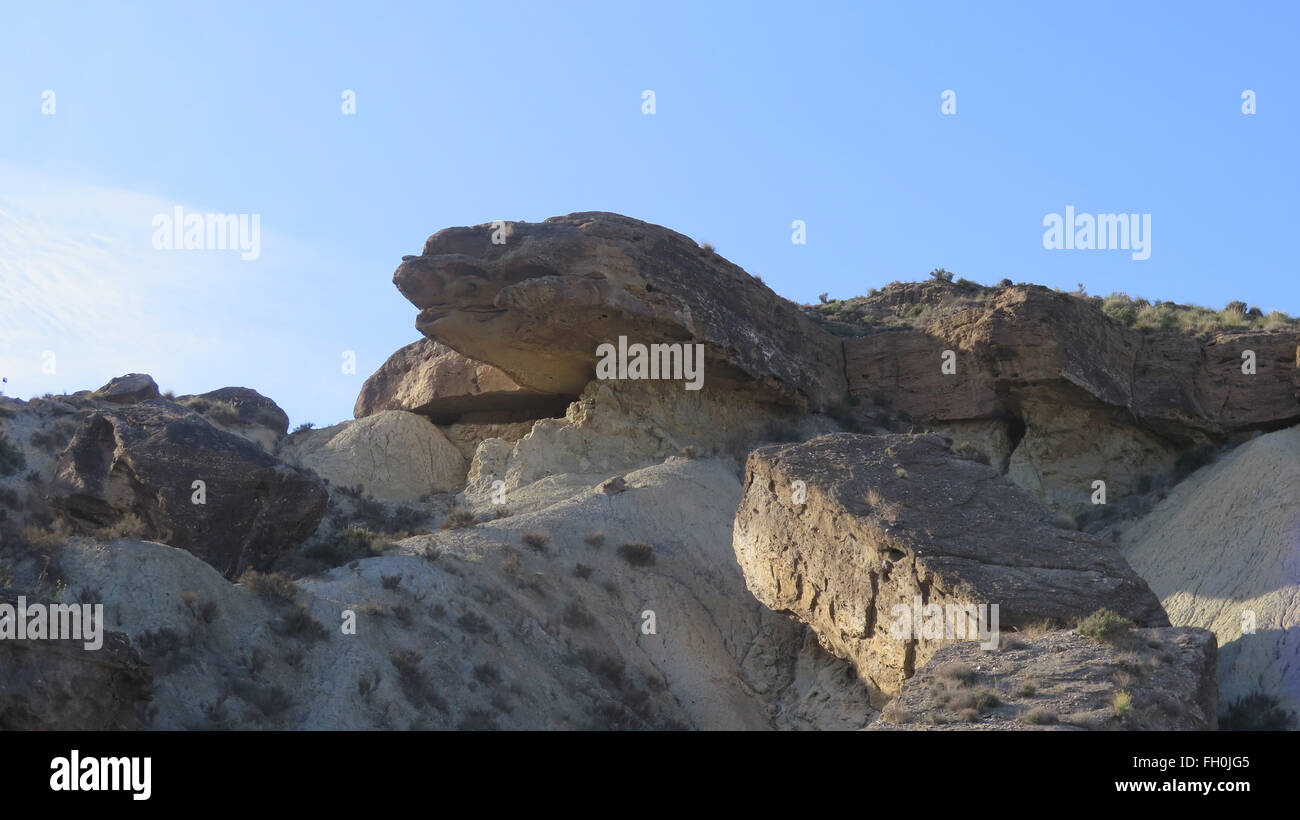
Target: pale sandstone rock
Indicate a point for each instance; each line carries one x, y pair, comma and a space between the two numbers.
392, 455
429, 378
881, 520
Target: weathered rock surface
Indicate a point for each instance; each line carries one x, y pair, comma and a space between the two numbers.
429, 378
392, 455
616, 426
242, 411
1178, 384
882, 520
58, 685
143, 460
129, 389
1062, 680
488, 632
1087, 397
539, 305
1223, 552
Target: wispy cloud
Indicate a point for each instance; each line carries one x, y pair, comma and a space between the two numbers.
80, 278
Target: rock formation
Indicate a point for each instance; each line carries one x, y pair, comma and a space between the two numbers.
503, 539
538, 304
129, 389
429, 378
842, 529
1060, 394
142, 462
392, 455
1156, 680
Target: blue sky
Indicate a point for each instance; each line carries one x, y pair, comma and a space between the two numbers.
468, 113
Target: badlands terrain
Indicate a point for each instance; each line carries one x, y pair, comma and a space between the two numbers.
502, 540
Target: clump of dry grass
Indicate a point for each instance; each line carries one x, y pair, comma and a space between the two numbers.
536, 541
637, 554
273, 585
457, 519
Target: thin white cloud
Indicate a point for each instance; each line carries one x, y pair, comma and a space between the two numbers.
79, 277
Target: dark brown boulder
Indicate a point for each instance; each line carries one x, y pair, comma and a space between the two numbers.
144, 460
129, 389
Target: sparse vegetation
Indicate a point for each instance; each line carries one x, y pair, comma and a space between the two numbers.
271, 585
457, 519
1122, 705
12, 460
536, 541
128, 526
1040, 717
637, 554
298, 623
1105, 626
894, 713
595, 540
1257, 712
349, 544
576, 616
955, 671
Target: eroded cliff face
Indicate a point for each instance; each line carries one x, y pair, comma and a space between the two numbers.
1059, 394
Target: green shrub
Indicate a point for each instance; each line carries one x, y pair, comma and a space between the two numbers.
1122, 705
1105, 626
350, 544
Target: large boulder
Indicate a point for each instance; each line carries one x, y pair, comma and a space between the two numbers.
1223, 552
143, 461
392, 455
1149, 679
842, 529
540, 303
128, 389
429, 378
